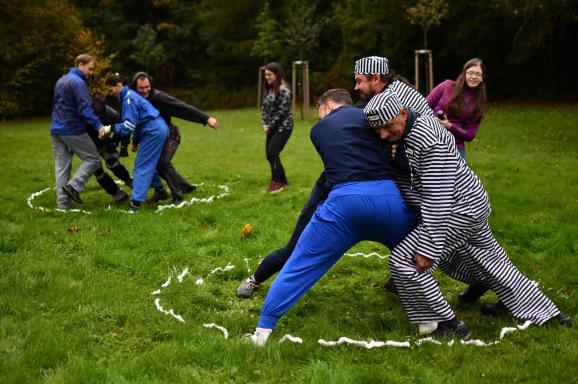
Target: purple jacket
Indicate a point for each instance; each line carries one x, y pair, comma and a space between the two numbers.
464, 128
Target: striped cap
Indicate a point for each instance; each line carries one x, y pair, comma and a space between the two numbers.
371, 65
382, 108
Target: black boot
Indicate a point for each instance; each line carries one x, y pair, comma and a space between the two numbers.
106, 182
472, 293
121, 172
390, 286
497, 309
160, 194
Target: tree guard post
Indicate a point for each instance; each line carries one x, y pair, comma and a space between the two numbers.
260, 87
300, 87
428, 69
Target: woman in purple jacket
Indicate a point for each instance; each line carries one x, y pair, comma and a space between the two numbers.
459, 105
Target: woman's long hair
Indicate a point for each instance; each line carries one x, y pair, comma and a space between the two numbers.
279, 78
456, 104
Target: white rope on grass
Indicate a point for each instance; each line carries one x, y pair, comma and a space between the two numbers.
224, 191
367, 255
342, 340
292, 339
222, 329
367, 345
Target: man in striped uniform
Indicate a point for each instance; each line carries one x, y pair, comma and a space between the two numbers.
454, 211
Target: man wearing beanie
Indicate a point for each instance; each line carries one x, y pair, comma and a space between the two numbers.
454, 210
372, 75
169, 107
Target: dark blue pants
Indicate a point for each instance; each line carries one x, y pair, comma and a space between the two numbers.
356, 211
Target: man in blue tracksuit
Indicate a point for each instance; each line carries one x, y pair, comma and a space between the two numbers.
364, 204
145, 123
71, 111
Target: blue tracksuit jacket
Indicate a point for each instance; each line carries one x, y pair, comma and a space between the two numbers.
72, 106
148, 128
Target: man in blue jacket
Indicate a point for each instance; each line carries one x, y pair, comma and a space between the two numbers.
71, 111
148, 128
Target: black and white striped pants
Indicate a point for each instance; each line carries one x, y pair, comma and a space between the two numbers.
471, 254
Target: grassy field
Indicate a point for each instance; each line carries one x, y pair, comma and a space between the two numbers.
76, 303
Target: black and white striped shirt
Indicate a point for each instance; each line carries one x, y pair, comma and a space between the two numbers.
441, 184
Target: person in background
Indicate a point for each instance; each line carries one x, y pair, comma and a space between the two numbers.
71, 111
277, 122
148, 128
459, 105
170, 106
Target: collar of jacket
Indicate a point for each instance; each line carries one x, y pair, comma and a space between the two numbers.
409, 122
77, 72
123, 92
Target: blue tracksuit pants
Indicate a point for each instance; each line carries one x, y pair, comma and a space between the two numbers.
353, 211
153, 137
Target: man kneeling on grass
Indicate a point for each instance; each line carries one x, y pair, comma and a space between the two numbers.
364, 204
453, 225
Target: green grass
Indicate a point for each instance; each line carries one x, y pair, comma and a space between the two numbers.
78, 307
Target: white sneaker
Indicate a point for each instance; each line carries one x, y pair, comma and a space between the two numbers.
259, 338
427, 328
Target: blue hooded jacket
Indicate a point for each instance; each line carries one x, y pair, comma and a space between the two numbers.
139, 117
71, 106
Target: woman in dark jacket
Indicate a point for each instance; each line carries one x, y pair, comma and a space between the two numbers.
277, 122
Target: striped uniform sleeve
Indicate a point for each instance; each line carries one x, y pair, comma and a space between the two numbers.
410, 98
436, 166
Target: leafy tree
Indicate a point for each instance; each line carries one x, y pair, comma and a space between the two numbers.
427, 14
147, 51
301, 31
268, 42
38, 41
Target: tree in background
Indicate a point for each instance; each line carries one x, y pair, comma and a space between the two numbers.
427, 14
146, 51
301, 31
267, 45
35, 51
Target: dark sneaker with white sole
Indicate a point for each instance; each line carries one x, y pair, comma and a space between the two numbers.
247, 288
72, 193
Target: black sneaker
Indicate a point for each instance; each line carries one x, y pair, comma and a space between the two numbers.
492, 309
188, 188
562, 320
390, 286
133, 208
71, 192
177, 200
472, 293
160, 194
447, 328
120, 196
